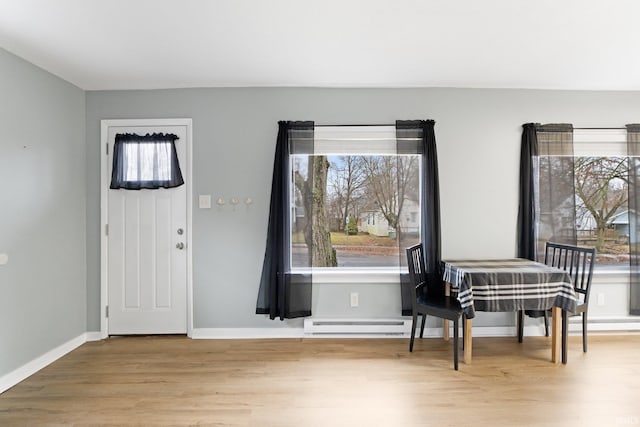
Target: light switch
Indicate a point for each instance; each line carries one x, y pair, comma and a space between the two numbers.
4, 258
204, 201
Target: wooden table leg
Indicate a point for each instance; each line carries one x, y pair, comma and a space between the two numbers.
565, 333
556, 334
445, 323
466, 324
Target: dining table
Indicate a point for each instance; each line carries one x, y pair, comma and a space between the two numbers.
510, 285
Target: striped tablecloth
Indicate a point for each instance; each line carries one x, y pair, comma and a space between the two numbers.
509, 285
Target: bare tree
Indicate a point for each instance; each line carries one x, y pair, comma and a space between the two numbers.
314, 196
346, 182
390, 180
601, 184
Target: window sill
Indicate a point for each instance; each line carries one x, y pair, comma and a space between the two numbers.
611, 276
610, 271
373, 276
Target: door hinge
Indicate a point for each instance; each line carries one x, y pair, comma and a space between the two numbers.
106, 311
106, 229
107, 144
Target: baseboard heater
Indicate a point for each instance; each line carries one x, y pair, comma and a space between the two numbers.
357, 327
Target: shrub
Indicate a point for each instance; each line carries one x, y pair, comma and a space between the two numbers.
352, 226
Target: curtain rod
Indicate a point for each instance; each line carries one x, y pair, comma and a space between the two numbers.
364, 125
600, 128
323, 126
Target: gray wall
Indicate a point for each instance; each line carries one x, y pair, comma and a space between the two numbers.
42, 212
234, 131
50, 209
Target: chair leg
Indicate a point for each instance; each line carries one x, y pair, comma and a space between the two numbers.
424, 319
413, 331
455, 344
546, 324
520, 324
584, 331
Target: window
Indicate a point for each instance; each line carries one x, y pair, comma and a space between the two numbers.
583, 181
601, 169
145, 162
354, 200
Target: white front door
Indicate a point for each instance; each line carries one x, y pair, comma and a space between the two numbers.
146, 249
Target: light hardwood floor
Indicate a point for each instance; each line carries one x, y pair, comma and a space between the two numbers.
331, 382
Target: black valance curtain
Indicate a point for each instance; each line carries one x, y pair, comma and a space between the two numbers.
633, 151
284, 294
145, 162
546, 181
418, 137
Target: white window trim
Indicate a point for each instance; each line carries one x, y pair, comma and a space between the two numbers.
353, 275
603, 271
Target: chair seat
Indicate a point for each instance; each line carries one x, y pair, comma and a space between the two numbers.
447, 307
536, 314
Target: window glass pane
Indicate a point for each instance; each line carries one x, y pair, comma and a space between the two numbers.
147, 162
602, 219
369, 203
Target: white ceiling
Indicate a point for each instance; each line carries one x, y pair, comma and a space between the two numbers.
143, 44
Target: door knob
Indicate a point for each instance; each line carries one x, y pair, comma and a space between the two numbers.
180, 231
180, 245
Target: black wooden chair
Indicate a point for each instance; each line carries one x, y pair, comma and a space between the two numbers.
578, 262
429, 299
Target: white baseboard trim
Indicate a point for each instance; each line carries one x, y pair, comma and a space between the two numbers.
606, 324
12, 378
246, 333
94, 336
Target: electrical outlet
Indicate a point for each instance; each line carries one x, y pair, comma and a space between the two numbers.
600, 299
354, 299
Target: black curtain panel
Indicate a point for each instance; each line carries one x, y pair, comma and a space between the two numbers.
527, 206
633, 151
282, 293
418, 137
145, 162
547, 176
556, 220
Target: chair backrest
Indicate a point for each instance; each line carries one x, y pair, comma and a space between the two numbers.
576, 260
417, 276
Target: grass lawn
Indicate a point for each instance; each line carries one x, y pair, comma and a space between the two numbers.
363, 239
